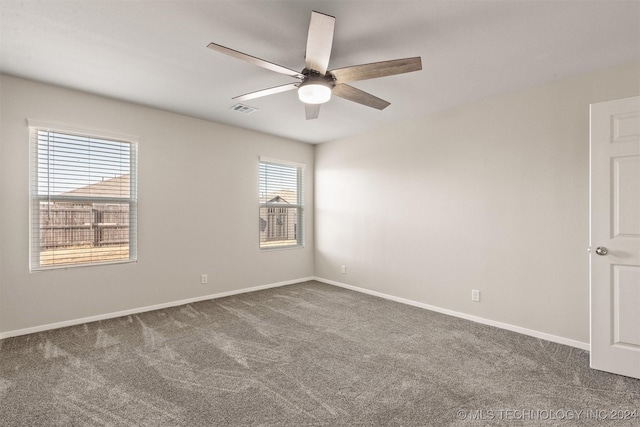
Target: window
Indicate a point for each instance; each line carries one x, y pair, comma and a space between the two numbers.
83, 199
281, 204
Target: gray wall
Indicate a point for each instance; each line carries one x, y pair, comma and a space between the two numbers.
186, 166
491, 196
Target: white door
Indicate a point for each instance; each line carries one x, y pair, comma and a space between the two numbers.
615, 236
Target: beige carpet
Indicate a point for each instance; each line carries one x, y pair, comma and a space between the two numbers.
308, 354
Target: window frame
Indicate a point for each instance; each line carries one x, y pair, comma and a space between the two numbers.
35, 226
298, 205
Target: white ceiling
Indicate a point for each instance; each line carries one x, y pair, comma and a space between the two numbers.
154, 52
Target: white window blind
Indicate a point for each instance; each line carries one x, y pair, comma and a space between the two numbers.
281, 198
83, 199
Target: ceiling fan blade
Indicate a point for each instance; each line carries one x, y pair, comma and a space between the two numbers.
256, 61
356, 95
319, 42
377, 69
265, 92
312, 111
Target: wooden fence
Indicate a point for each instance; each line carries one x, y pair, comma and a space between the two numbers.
278, 226
67, 224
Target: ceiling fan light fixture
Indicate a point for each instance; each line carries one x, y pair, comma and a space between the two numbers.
314, 92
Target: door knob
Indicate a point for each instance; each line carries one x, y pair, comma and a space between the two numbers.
602, 251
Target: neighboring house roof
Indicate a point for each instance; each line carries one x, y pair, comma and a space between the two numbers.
112, 187
280, 196
278, 199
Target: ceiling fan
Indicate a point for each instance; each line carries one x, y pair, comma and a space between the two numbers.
317, 83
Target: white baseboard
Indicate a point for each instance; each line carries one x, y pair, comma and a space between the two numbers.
129, 312
507, 326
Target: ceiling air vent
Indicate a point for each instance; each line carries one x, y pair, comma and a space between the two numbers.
241, 108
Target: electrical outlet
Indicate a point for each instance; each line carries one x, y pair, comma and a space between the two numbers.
343, 269
475, 295
204, 279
